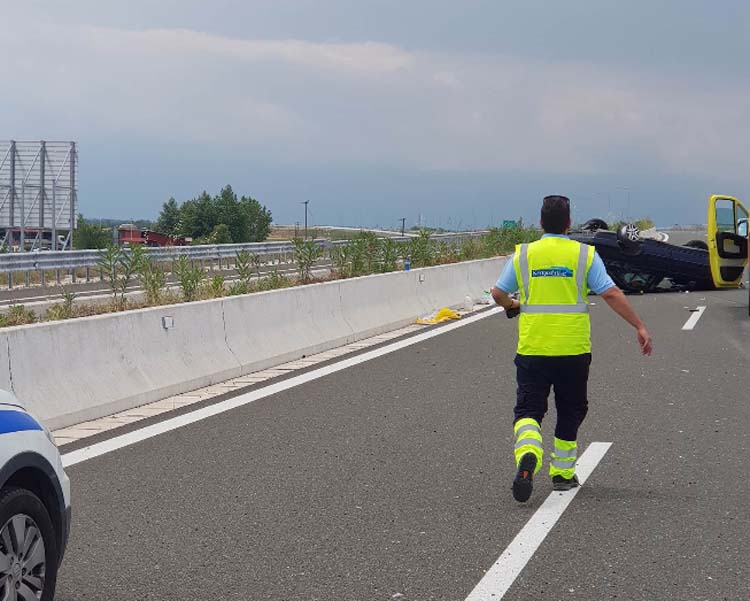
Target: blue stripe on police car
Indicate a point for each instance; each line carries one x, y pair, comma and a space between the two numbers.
17, 421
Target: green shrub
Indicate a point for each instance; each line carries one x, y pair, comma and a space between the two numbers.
152, 279
189, 277
357, 256
274, 281
389, 254
422, 250
306, 253
216, 287
63, 310
502, 241
340, 257
17, 315
238, 288
470, 249
118, 267
243, 263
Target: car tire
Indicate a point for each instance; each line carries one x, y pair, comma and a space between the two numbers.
697, 244
594, 224
18, 503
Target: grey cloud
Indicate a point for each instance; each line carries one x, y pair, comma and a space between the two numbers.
365, 102
298, 103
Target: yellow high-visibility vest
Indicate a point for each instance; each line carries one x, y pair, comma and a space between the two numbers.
551, 275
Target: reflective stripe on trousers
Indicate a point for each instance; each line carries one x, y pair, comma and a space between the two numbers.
564, 457
528, 435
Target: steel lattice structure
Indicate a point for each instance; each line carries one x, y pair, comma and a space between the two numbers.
38, 193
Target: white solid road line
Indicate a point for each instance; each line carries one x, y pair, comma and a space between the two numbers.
693, 319
500, 577
124, 440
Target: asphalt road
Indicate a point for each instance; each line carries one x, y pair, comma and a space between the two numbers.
391, 479
683, 237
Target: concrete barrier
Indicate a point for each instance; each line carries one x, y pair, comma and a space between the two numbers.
71, 371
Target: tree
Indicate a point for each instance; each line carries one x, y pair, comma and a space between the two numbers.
89, 235
245, 218
258, 218
197, 217
169, 218
230, 213
220, 235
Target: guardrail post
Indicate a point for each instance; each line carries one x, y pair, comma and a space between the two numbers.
27, 278
10, 280
42, 279
57, 276
88, 274
73, 275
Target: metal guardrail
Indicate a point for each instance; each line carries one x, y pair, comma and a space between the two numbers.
80, 259
75, 259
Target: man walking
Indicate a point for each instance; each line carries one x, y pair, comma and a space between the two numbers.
553, 276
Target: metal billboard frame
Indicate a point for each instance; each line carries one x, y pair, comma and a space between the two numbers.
39, 190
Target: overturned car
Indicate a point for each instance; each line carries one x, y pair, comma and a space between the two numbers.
644, 263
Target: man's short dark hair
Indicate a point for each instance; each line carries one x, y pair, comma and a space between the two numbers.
555, 214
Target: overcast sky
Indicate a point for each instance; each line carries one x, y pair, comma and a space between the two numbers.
464, 111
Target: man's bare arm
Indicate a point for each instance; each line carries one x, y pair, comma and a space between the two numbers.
620, 305
503, 299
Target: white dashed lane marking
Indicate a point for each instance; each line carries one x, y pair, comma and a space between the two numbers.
694, 317
500, 577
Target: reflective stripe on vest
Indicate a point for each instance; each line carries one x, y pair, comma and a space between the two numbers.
581, 307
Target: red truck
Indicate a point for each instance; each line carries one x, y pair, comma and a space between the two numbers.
129, 233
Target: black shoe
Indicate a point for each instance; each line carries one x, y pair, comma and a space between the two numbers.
560, 483
523, 483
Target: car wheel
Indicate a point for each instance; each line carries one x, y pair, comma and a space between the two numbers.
594, 224
629, 240
28, 551
697, 244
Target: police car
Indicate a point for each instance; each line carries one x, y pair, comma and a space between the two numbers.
34, 505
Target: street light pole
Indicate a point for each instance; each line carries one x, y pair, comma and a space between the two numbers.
306, 202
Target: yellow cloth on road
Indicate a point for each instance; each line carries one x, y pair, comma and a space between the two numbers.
444, 314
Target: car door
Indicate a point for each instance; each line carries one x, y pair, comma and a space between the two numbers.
727, 240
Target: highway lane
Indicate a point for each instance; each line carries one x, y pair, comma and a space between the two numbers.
390, 480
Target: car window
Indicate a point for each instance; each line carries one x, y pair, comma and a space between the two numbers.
725, 216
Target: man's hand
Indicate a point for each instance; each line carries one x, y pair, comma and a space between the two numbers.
620, 305
644, 339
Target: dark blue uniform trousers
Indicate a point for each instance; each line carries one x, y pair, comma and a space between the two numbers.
568, 376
